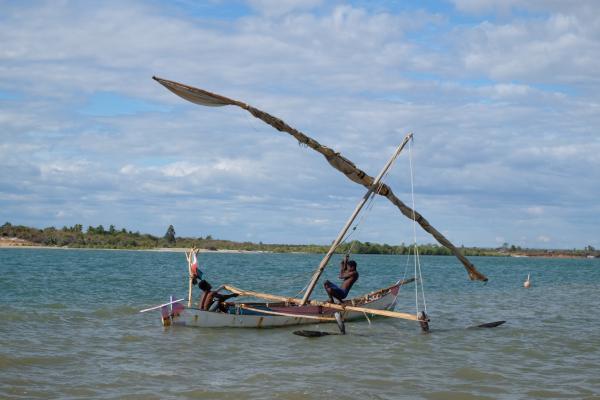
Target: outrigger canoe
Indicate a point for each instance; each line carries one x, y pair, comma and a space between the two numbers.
283, 313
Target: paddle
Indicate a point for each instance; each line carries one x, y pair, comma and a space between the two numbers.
314, 334
488, 325
311, 334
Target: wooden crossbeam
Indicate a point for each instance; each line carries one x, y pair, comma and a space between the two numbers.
383, 313
259, 295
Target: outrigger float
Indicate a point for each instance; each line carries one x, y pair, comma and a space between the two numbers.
277, 310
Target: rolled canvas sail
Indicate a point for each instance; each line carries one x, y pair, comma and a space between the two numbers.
339, 162
195, 95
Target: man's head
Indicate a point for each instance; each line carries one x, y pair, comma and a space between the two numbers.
204, 286
352, 265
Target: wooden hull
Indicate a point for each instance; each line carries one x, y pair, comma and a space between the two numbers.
240, 317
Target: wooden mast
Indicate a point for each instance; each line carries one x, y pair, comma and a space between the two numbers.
338, 240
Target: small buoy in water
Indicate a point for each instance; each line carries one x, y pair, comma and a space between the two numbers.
527, 283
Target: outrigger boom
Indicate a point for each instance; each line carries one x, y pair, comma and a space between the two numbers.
339, 307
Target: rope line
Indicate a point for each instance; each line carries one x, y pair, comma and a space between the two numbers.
417, 261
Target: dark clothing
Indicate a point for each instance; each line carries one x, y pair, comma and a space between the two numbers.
349, 274
210, 297
336, 291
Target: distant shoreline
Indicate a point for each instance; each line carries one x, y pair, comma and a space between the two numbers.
16, 243
76, 237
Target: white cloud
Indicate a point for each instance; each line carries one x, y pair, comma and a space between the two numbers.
311, 221
557, 49
504, 112
129, 170
535, 210
181, 169
508, 90
544, 239
251, 199
162, 188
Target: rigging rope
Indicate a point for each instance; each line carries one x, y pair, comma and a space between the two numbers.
417, 261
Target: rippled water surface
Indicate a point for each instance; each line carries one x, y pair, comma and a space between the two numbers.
70, 328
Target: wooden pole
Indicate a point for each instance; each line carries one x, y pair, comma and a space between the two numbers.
384, 313
259, 295
190, 286
162, 305
340, 237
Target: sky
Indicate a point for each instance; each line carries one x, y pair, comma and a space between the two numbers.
503, 98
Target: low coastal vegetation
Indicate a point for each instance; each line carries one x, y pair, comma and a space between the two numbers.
112, 238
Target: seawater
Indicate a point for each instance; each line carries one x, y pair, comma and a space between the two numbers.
70, 328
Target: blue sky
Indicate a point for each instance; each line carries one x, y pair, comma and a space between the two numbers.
502, 97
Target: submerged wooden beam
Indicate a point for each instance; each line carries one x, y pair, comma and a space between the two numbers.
282, 314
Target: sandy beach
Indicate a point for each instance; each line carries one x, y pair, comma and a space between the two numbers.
21, 243
15, 242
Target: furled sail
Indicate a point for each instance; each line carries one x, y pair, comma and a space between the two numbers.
339, 162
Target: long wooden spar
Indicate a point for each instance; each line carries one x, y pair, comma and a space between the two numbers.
339, 162
340, 307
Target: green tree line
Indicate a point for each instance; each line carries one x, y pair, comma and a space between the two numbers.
112, 238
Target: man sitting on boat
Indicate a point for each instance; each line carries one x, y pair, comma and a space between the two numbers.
349, 274
212, 300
